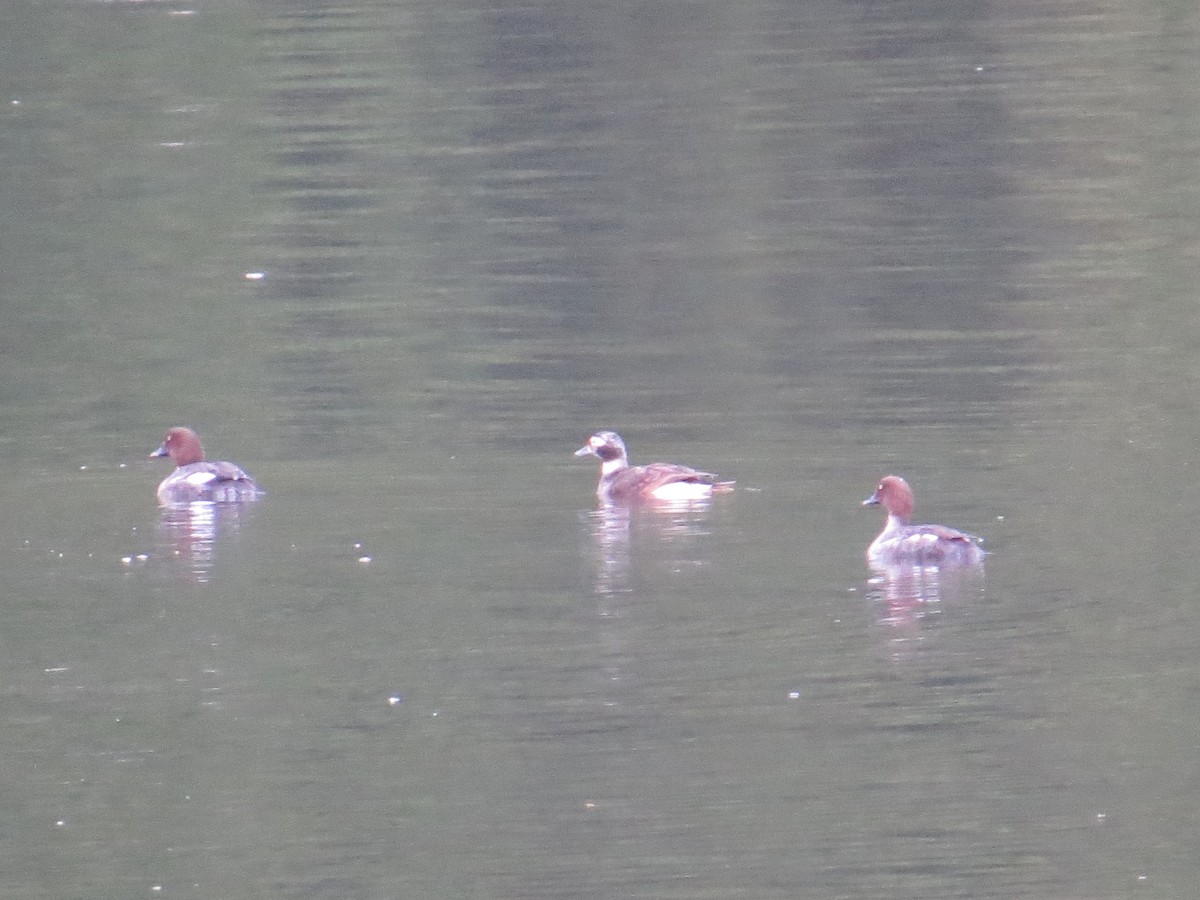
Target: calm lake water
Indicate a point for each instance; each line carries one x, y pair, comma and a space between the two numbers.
399, 259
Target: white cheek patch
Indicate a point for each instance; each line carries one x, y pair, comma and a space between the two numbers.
608, 466
683, 490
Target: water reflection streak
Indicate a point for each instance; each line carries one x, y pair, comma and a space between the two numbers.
188, 534
618, 531
908, 595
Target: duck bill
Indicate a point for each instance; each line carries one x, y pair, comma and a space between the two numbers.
873, 500
161, 451
585, 450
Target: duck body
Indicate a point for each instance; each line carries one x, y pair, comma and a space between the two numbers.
621, 482
198, 479
902, 543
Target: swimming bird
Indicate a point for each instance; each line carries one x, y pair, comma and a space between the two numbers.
621, 482
900, 542
196, 478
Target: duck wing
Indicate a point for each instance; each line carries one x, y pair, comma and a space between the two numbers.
222, 470
937, 542
642, 481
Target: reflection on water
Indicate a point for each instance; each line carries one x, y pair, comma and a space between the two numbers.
608, 528
810, 240
908, 596
188, 534
671, 531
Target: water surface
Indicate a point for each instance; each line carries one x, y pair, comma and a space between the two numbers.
798, 245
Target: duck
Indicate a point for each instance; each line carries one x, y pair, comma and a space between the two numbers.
196, 478
622, 483
901, 543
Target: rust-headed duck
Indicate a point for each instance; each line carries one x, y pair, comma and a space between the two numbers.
901, 543
198, 479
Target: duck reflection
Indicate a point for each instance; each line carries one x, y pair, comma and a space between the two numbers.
188, 534
617, 532
908, 595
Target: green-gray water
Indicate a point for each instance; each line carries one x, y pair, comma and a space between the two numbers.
798, 244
